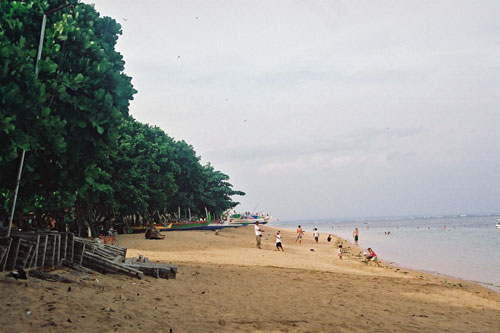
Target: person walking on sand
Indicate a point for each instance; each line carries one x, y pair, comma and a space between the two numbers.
371, 256
340, 252
258, 234
278, 242
316, 234
355, 234
299, 235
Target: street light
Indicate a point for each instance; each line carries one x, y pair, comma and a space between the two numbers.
38, 56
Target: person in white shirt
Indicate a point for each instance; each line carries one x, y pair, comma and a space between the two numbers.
278, 242
316, 234
258, 234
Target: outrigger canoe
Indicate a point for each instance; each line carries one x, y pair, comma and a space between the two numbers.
142, 229
192, 225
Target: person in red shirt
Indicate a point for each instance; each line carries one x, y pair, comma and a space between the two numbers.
372, 256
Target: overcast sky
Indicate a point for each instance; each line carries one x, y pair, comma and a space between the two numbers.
326, 108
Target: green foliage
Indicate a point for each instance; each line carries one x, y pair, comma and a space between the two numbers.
86, 158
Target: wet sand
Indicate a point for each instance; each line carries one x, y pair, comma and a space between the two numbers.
226, 284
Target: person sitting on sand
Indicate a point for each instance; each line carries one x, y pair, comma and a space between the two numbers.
278, 242
371, 256
153, 233
299, 235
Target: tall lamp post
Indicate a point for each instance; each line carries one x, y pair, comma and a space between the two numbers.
38, 56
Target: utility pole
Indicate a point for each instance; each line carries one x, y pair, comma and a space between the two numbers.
23, 154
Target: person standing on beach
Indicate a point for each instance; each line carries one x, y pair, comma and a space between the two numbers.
258, 234
355, 234
316, 234
278, 242
299, 235
340, 252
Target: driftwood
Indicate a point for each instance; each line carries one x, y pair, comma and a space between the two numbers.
49, 277
100, 264
155, 270
78, 268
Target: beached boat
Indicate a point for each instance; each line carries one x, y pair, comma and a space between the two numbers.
142, 229
189, 225
247, 219
215, 226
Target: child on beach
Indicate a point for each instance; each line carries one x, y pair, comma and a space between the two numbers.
329, 239
299, 235
371, 256
340, 252
316, 234
278, 242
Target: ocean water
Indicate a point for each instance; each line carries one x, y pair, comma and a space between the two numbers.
466, 247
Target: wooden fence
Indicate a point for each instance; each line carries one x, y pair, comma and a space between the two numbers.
48, 249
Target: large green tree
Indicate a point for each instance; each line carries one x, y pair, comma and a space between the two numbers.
85, 157
67, 120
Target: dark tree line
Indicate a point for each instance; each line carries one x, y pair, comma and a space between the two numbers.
87, 162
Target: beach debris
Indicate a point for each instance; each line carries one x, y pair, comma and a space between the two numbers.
49, 276
19, 274
50, 249
312, 250
29, 312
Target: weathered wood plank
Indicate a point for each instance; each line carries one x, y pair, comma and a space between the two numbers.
5, 242
14, 252
106, 266
50, 277
35, 257
155, 270
44, 250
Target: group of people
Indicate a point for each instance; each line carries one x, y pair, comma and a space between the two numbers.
258, 238
369, 256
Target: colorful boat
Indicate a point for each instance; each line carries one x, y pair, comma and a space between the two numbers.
190, 225
247, 219
142, 229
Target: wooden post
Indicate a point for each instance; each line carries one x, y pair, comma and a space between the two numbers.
35, 260
14, 251
65, 246
58, 237
3, 262
81, 257
72, 247
27, 258
44, 250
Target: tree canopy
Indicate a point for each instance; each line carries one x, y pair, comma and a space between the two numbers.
87, 159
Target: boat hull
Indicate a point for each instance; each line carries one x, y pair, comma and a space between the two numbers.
188, 226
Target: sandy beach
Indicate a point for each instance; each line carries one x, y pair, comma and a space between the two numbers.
226, 284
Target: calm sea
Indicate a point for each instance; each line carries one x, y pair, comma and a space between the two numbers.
466, 247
